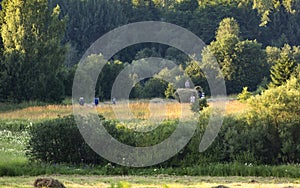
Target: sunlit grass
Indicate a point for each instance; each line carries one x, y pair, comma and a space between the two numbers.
235, 106
75, 181
141, 110
146, 111
38, 112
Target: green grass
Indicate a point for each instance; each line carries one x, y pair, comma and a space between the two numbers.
71, 181
17, 171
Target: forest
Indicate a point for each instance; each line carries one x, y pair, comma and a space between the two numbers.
256, 43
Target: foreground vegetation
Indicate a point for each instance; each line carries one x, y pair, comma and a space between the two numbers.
156, 181
260, 141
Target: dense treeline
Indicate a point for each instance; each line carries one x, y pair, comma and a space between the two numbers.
41, 42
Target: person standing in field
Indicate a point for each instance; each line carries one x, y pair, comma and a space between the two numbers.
114, 100
187, 84
81, 101
192, 99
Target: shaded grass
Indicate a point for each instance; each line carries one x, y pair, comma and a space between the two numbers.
23, 168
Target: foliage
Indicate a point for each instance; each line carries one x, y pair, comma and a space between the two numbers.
243, 63
60, 35
266, 7
170, 91
244, 95
14, 125
154, 87
87, 21
59, 140
120, 185
33, 54
199, 105
284, 65
279, 107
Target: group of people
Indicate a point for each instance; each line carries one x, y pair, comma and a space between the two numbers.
114, 100
96, 101
193, 97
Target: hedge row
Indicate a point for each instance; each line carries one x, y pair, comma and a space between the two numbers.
241, 139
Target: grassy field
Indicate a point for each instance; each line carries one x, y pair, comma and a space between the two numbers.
13, 158
136, 109
159, 181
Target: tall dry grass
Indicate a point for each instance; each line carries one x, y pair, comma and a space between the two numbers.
141, 110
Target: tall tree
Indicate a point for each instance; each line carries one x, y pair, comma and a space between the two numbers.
88, 20
284, 65
242, 63
33, 52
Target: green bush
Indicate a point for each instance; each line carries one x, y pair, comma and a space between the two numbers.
199, 105
242, 140
244, 95
14, 125
59, 141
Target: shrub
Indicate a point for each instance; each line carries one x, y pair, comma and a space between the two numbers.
59, 141
14, 125
244, 95
199, 105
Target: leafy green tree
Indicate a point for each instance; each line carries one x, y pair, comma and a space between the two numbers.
146, 52
187, 5
279, 104
244, 95
250, 65
170, 91
87, 21
155, 87
107, 78
32, 36
242, 63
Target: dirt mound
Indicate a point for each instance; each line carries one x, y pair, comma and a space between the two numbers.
48, 183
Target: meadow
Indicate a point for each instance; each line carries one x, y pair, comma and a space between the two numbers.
17, 171
139, 109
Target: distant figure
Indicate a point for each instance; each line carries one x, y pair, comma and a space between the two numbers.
96, 101
192, 99
203, 95
187, 84
114, 100
81, 101
199, 94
